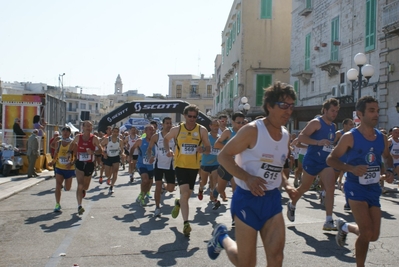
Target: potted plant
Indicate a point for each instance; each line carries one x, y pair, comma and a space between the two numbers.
336, 43
316, 48
323, 44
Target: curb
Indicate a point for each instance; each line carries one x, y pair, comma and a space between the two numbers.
18, 186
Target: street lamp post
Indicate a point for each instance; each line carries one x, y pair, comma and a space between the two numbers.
244, 106
365, 70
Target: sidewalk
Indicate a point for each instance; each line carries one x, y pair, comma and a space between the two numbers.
14, 184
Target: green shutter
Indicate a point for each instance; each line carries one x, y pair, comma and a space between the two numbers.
307, 52
234, 32
235, 85
238, 22
231, 89
308, 3
217, 99
334, 37
266, 9
262, 81
296, 87
370, 24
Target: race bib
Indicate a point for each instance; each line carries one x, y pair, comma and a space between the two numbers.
162, 151
189, 149
63, 160
328, 148
84, 157
272, 175
146, 161
214, 151
372, 176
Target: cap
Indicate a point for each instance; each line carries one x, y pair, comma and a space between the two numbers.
56, 133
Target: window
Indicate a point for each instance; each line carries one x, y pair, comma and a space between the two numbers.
231, 89
370, 24
82, 105
69, 118
307, 52
265, 9
308, 3
193, 89
209, 90
234, 32
217, 99
296, 88
238, 22
334, 37
90, 107
262, 81
235, 85
178, 91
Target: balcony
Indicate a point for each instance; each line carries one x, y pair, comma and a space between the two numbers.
303, 74
308, 8
390, 18
326, 62
71, 109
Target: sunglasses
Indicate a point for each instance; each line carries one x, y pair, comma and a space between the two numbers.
284, 105
192, 116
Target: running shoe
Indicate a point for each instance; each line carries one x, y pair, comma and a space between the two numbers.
148, 195
187, 229
138, 198
108, 181
83, 193
214, 248
329, 226
100, 180
131, 178
57, 208
200, 194
176, 209
81, 210
157, 212
216, 205
111, 190
290, 212
340, 238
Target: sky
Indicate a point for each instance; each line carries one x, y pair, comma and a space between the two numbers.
92, 41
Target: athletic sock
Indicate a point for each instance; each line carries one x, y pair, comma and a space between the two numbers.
221, 238
329, 218
345, 228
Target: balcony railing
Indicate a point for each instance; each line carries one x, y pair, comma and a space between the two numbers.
390, 17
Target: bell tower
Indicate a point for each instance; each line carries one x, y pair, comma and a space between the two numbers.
118, 86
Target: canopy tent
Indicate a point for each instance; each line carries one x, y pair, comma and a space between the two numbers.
73, 128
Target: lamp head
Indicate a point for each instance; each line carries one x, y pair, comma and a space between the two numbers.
360, 59
352, 74
368, 71
244, 100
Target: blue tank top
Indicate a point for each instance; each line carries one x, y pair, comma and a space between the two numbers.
233, 133
211, 158
365, 152
320, 153
343, 158
143, 161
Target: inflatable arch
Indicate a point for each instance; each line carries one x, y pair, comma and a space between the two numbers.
146, 106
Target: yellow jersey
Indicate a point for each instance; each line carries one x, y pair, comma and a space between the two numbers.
62, 157
186, 155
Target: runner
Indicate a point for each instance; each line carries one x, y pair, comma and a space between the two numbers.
112, 156
257, 169
144, 164
225, 177
209, 163
64, 169
393, 144
83, 146
364, 146
319, 134
191, 140
163, 165
222, 123
132, 159
106, 135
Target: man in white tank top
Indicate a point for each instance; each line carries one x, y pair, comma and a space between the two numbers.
163, 165
393, 144
258, 171
129, 141
112, 156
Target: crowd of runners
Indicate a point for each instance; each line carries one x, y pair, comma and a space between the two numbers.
255, 159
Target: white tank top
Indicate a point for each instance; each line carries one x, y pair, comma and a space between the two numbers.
266, 159
164, 162
395, 150
131, 142
113, 149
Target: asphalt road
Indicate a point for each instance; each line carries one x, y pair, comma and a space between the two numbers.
115, 231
